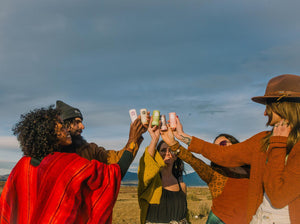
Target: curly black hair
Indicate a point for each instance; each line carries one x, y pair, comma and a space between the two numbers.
36, 132
178, 166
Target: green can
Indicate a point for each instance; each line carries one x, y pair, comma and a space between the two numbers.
155, 118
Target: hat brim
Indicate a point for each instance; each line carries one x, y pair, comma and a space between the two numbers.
265, 99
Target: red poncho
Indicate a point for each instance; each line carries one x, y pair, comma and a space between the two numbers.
63, 188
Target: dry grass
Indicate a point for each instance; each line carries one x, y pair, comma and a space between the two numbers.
126, 210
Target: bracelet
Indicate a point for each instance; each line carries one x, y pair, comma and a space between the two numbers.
175, 148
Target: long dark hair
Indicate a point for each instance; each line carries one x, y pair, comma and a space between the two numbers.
36, 132
178, 166
225, 170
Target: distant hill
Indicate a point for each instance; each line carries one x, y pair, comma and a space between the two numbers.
4, 177
131, 179
191, 179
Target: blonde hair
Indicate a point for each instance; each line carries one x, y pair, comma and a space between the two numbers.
289, 111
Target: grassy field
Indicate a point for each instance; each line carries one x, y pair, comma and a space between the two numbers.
126, 210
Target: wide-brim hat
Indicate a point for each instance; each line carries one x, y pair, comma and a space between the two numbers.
281, 88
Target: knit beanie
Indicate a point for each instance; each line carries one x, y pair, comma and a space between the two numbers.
67, 112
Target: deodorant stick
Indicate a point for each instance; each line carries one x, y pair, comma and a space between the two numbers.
133, 115
163, 123
143, 113
155, 118
172, 118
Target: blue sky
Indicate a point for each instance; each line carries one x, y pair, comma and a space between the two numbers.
202, 59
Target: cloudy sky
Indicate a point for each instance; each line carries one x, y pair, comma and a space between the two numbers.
202, 59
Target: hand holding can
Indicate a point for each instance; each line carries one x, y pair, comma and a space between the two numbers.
143, 113
155, 118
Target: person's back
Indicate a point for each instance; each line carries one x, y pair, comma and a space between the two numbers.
47, 186
80, 192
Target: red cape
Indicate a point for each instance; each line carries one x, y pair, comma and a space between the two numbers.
64, 188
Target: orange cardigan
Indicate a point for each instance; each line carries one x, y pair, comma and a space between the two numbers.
229, 195
271, 171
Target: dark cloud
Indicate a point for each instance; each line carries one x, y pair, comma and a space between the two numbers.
202, 59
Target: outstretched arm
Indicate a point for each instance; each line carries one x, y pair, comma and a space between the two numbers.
180, 135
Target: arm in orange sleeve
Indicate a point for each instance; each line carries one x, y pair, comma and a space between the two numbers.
282, 175
228, 156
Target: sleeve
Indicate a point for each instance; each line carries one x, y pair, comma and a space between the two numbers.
114, 156
92, 151
125, 162
282, 175
204, 171
228, 156
149, 181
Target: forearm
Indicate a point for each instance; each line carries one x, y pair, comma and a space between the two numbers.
114, 156
282, 180
204, 171
152, 146
183, 137
125, 161
229, 156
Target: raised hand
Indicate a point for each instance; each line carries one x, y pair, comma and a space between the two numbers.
282, 128
153, 131
180, 135
168, 136
136, 129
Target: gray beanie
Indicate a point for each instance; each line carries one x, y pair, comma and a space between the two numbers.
67, 112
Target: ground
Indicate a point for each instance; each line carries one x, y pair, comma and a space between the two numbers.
126, 210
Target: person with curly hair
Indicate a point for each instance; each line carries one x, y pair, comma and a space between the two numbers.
48, 186
161, 190
73, 119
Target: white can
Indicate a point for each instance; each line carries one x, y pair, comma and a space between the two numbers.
133, 115
172, 118
143, 113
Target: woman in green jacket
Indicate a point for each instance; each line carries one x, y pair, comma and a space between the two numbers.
161, 192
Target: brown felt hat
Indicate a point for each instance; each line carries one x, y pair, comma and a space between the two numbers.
283, 87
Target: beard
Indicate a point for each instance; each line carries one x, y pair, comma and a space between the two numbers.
77, 142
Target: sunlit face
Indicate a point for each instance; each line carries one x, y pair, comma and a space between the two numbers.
273, 117
63, 136
167, 154
75, 128
222, 141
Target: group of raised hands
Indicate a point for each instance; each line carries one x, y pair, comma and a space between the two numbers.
169, 135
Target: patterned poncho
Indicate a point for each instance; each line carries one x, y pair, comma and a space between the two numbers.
63, 188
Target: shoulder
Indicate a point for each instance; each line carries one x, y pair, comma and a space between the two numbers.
260, 135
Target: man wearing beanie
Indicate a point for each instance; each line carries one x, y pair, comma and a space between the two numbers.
73, 118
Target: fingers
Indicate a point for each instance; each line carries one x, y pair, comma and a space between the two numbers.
282, 128
282, 123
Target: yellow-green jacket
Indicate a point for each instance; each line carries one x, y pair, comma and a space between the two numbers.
149, 185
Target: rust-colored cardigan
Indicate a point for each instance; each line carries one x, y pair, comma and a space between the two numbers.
272, 171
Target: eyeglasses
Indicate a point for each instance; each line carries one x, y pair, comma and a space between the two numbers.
224, 143
165, 150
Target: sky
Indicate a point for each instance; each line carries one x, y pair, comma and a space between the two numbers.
202, 59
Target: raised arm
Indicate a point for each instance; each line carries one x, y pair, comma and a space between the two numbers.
282, 176
204, 171
180, 135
